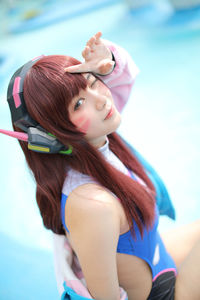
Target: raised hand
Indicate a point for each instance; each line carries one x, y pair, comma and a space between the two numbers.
97, 56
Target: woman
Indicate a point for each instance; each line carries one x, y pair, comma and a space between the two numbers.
90, 187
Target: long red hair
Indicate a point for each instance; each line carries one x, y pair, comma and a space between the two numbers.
48, 91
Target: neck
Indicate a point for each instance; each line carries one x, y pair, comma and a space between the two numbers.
98, 142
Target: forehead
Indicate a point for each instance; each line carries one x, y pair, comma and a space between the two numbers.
87, 76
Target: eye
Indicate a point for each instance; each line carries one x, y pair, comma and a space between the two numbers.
78, 103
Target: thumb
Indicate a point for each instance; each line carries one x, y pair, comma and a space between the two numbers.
81, 68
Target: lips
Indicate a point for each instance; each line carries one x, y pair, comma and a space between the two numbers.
110, 113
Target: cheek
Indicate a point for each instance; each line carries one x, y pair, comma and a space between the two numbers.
82, 123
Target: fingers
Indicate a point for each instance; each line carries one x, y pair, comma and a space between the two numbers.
86, 53
91, 43
94, 40
97, 36
91, 46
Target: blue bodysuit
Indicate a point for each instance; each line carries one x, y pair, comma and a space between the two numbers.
150, 248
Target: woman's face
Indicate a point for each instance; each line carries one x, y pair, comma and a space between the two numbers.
93, 111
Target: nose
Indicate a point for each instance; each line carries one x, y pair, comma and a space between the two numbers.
100, 102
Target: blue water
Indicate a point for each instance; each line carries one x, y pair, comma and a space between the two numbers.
161, 120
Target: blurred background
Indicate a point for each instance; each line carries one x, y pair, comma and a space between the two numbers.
161, 120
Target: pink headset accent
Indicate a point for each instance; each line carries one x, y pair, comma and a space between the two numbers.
16, 86
16, 92
18, 135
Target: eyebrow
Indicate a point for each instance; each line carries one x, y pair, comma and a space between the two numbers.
88, 76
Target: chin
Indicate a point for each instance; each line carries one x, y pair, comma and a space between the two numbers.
117, 121
115, 127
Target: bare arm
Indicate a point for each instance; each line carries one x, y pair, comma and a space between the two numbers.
94, 226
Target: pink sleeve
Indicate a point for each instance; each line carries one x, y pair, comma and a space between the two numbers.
121, 80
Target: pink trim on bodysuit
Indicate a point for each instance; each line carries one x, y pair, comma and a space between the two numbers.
164, 271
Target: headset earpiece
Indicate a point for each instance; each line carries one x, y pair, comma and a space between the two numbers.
39, 139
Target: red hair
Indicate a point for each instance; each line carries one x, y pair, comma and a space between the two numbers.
48, 91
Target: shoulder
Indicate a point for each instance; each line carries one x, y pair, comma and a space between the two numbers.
94, 227
91, 204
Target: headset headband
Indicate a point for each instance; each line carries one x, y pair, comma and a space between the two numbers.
15, 97
38, 138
